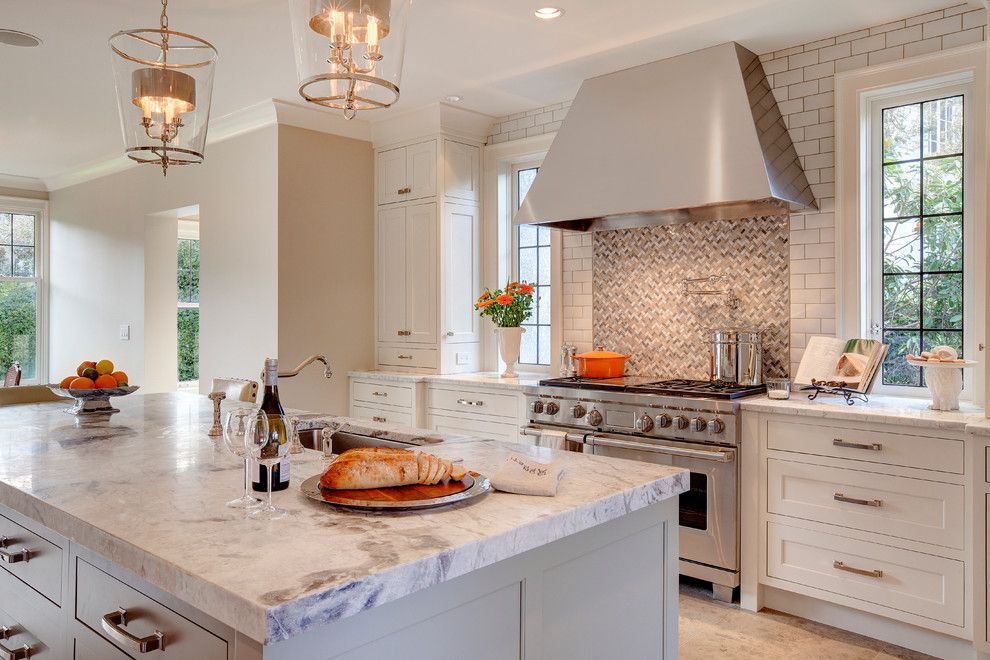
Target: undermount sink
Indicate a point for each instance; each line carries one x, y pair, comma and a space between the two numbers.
342, 441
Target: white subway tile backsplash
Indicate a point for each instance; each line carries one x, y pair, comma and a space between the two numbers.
972, 36
866, 44
924, 18
973, 19
943, 26
838, 51
923, 47
891, 54
900, 37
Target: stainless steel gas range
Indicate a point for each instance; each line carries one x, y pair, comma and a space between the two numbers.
689, 424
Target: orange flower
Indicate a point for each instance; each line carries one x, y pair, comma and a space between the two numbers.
526, 288
485, 296
505, 299
485, 303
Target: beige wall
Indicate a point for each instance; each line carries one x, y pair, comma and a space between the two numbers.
97, 259
325, 263
161, 299
20, 192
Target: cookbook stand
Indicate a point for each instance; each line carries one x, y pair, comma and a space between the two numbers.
851, 396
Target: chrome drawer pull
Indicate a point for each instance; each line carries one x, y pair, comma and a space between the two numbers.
6, 632
378, 419
405, 191
875, 573
379, 394
466, 402
404, 333
15, 557
838, 442
405, 357
113, 625
839, 497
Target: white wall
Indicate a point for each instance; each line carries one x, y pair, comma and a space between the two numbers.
97, 259
160, 303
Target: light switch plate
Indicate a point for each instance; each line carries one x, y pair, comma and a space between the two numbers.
125, 332
463, 358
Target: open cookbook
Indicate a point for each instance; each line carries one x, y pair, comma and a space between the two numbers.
854, 363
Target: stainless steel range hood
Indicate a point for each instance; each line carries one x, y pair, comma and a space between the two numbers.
693, 137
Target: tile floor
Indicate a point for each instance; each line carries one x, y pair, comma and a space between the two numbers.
710, 629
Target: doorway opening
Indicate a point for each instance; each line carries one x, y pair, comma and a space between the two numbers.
187, 313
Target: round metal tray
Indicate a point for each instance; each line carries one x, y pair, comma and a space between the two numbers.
399, 498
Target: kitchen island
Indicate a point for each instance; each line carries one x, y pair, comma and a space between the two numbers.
128, 511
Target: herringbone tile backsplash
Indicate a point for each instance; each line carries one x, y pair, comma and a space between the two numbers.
640, 307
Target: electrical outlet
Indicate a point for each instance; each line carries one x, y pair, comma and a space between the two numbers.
125, 332
463, 358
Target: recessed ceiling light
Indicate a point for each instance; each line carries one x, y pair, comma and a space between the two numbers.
546, 13
453, 98
17, 38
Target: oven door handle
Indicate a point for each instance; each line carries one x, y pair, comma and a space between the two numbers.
536, 432
702, 454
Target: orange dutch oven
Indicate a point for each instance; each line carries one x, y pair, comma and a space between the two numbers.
601, 364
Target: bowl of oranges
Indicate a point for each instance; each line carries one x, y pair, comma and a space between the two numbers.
92, 387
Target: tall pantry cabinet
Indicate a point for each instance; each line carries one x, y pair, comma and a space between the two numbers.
428, 255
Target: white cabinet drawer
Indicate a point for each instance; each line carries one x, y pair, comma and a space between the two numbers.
924, 511
99, 595
478, 429
843, 570
376, 392
407, 357
927, 453
382, 415
41, 568
480, 403
35, 620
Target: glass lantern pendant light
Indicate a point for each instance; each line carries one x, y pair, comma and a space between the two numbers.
349, 52
164, 82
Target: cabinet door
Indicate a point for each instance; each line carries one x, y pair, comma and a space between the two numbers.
421, 170
421, 274
462, 171
391, 267
392, 175
461, 273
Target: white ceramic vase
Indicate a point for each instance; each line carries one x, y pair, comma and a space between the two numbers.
509, 340
945, 386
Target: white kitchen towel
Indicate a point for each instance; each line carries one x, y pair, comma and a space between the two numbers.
552, 438
526, 476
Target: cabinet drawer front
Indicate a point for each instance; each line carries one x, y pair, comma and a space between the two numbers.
23, 635
407, 357
941, 454
480, 403
478, 429
920, 584
382, 415
99, 595
392, 395
924, 511
93, 647
42, 568
37, 621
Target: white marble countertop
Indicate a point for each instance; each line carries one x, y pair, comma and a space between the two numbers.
487, 379
146, 489
881, 409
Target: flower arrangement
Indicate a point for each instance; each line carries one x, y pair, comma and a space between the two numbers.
508, 307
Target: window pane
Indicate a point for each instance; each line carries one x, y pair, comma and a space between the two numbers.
943, 185
5, 225
544, 270
896, 370
188, 328
18, 326
943, 243
901, 190
942, 300
544, 235
528, 350
23, 230
931, 339
542, 305
527, 264
527, 235
943, 126
525, 180
902, 246
544, 344
5, 261
901, 298
23, 261
901, 132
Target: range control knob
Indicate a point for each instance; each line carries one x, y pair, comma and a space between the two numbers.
718, 426
644, 424
699, 424
578, 411
595, 418
663, 420
553, 408
682, 422
536, 407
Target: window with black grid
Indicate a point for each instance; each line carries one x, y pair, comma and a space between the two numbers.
532, 261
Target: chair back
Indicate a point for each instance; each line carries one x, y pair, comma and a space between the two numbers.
237, 389
13, 376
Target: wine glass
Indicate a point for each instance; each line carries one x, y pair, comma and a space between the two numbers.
234, 429
265, 448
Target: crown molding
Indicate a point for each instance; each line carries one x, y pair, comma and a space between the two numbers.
22, 182
324, 120
431, 120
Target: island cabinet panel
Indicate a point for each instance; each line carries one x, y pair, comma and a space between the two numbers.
99, 595
34, 620
87, 645
31, 558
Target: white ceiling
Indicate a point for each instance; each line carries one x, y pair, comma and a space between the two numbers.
57, 108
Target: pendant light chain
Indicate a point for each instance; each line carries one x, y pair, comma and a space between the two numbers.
164, 23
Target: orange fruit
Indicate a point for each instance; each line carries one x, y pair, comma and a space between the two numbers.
65, 382
85, 365
120, 377
81, 384
105, 380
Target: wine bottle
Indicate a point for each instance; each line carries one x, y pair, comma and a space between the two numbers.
271, 405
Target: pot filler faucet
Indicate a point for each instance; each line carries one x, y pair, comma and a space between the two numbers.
327, 371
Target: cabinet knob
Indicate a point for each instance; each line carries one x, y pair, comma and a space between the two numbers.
449, 333
404, 333
404, 191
